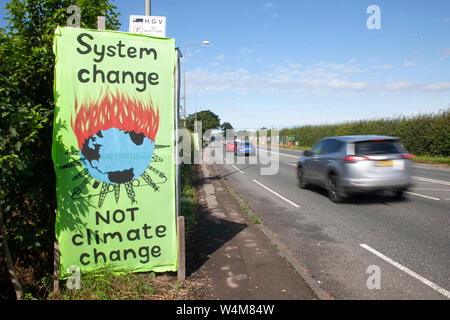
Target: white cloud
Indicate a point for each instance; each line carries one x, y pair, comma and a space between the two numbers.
347, 85
220, 57
438, 86
398, 86
317, 78
247, 51
269, 9
295, 65
383, 66
408, 63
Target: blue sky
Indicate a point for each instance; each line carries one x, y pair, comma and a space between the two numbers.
285, 63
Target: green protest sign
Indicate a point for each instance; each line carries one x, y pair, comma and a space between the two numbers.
113, 151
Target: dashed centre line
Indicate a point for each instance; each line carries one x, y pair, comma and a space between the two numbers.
236, 168
422, 195
408, 271
282, 154
445, 183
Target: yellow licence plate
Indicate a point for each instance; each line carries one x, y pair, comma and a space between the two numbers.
384, 163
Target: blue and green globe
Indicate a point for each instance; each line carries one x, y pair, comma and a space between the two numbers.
116, 156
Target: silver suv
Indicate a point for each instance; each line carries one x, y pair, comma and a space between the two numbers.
347, 165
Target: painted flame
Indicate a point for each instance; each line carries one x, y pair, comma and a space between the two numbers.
114, 111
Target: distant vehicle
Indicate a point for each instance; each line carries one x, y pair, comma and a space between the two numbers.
244, 148
348, 165
230, 145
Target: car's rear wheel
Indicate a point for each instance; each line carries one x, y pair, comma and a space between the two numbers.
333, 189
398, 194
301, 178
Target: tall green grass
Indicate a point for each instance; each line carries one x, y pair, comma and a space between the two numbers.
423, 134
188, 201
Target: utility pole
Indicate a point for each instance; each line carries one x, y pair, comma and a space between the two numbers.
148, 7
203, 43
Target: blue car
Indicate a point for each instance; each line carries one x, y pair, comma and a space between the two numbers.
244, 149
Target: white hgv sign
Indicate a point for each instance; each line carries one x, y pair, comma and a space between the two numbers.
149, 25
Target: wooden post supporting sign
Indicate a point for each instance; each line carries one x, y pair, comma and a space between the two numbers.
181, 275
55, 267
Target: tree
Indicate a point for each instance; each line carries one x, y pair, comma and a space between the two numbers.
208, 118
226, 126
27, 182
227, 130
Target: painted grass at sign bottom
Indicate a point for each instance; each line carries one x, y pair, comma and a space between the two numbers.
132, 286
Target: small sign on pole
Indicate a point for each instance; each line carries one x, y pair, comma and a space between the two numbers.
149, 25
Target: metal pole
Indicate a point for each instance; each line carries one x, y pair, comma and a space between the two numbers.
184, 72
177, 126
196, 99
148, 7
184, 85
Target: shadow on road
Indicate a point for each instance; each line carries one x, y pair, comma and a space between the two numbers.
364, 198
199, 182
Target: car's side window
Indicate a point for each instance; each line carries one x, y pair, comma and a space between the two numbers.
339, 145
333, 146
326, 147
317, 148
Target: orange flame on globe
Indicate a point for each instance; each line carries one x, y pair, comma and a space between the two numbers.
115, 111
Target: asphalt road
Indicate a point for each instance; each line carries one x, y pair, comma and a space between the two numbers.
351, 249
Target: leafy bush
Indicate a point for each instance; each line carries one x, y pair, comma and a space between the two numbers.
27, 183
422, 134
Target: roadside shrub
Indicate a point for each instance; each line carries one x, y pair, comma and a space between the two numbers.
422, 134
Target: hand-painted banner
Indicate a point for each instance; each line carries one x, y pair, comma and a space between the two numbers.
113, 146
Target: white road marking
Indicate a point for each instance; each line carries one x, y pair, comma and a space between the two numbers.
408, 271
421, 195
236, 168
431, 189
277, 194
445, 183
284, 154
292, 164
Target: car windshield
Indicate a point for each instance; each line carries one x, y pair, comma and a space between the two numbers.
245, 144
377, 147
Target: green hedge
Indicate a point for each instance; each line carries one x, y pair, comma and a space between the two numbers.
423, 134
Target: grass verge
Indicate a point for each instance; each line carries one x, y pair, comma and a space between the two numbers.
113, 286
244, 205
188, 201
432, 160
